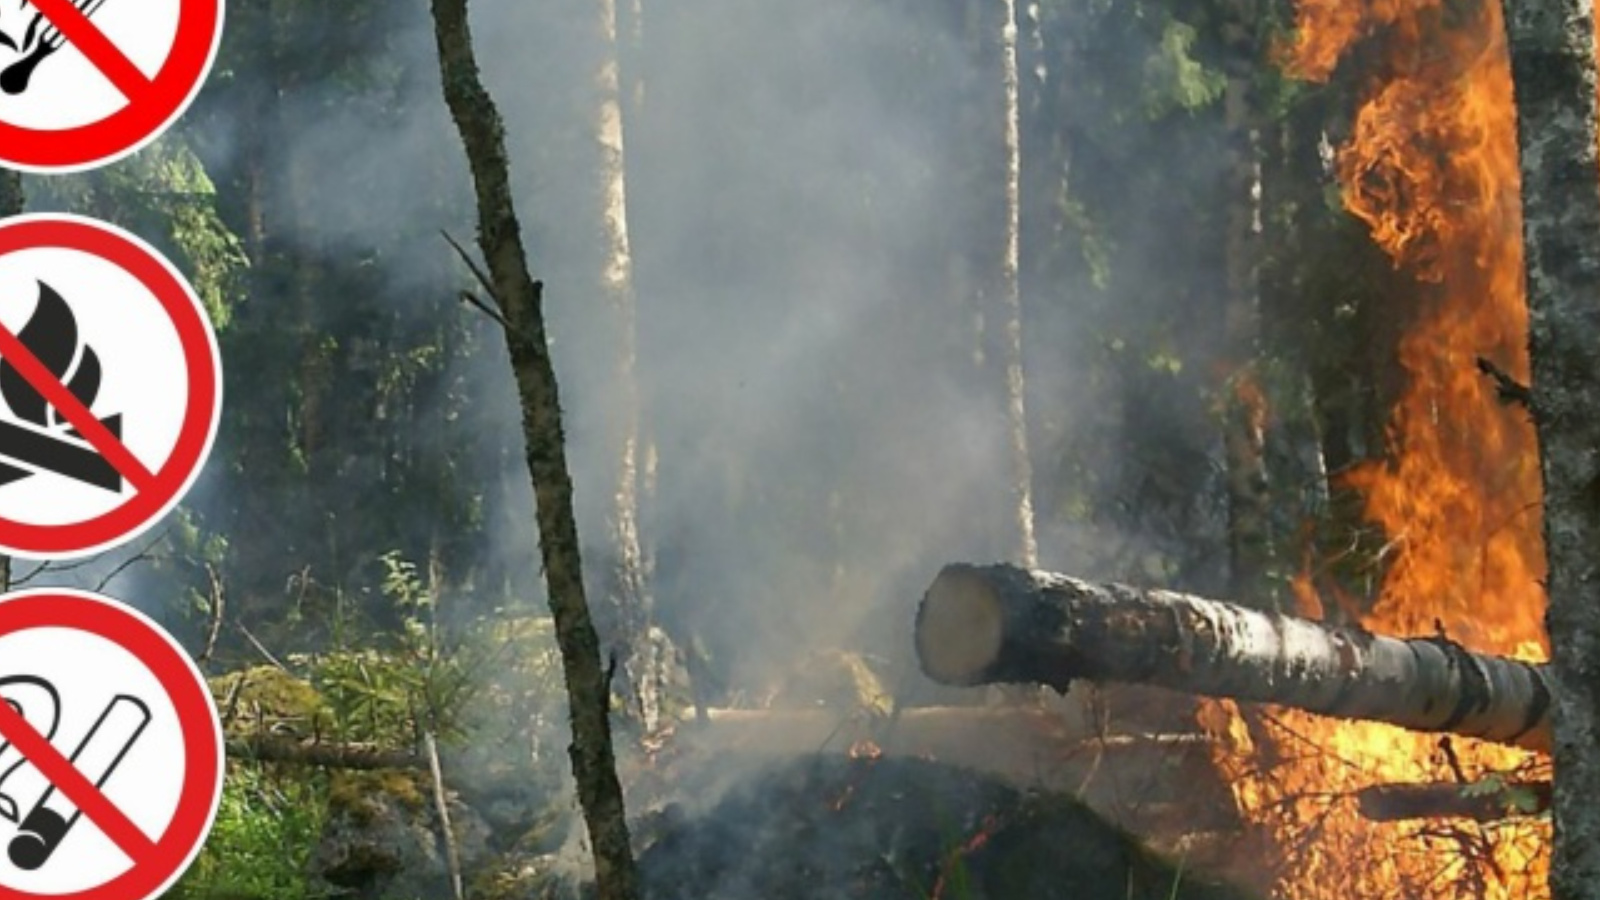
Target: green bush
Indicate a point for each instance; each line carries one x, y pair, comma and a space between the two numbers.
267, 826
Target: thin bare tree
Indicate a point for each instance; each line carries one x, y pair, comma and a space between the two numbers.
519, 301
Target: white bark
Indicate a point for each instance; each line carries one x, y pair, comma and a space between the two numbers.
1011, 294
616, 279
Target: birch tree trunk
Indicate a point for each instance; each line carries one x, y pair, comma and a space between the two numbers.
1011, 296
631, 601
1003, 624
1553, 72
520, 300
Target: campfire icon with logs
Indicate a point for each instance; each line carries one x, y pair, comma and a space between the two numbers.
38, 438
25, 31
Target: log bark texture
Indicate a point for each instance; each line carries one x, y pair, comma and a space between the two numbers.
1001, 624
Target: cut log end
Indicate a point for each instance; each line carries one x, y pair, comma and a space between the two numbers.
960, 628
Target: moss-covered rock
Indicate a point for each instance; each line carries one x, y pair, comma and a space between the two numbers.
383, 840
365, 796
267, 698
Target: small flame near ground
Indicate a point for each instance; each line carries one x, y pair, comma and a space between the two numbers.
1431, 168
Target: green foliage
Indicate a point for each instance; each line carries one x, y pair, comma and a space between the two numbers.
393, 689
1173, 79
163, 194
1509, 795
266, 827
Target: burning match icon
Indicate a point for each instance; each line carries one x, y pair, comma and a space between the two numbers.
38, 437
39, 39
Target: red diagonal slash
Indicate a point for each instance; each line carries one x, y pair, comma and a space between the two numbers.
67, 403
93, 44
128, 837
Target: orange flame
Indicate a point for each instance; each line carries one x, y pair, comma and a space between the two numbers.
1431, 168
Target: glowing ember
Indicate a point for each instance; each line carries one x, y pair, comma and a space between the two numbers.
865, 749
952, 868
1431, 168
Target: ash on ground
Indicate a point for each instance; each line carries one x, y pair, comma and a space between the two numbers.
831, 827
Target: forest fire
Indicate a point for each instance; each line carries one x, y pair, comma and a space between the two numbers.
1431, 168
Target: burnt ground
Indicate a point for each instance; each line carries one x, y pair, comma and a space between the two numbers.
831, 828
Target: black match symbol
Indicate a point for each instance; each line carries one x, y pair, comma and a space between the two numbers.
29, 33
39, 439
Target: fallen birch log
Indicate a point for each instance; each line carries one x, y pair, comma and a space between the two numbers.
1002, 624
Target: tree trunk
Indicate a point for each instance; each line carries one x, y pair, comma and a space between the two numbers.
1553, 73
520, 301
1244, 400
631, 593
1000, 624
12, 199
1011, 296
13, 202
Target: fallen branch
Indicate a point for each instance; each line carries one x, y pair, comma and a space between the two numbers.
1001, 624
441, 804
1479, 801
1507, 389
281, 749
218, 605
1025, 744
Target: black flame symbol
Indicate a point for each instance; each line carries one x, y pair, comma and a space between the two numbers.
51, 335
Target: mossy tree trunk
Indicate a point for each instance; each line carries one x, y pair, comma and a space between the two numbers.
12, 203
520, 298
1553, 70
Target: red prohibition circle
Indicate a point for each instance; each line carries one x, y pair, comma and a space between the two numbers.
177, 846
202, 363
159, 103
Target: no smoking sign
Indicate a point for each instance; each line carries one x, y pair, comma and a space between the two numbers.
85, 82
110, 386
110, 751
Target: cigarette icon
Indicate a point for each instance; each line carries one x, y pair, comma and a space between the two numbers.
97, 756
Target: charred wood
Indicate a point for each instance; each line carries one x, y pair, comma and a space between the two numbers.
1125, 774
